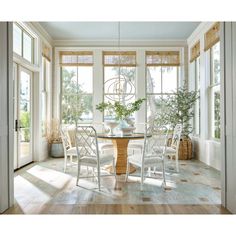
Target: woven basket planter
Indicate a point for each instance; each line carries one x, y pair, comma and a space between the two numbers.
185, 148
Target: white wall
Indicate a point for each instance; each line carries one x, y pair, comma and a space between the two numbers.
205, 149
6, 117
229, 117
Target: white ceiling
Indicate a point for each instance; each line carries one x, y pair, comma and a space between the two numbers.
128, 30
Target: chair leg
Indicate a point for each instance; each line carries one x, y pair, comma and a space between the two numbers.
99, 184
142, 177
114, 167
71, 160
127, 172
177, 162
164, 172
65, 162
78, 174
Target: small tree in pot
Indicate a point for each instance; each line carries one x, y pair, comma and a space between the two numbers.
178, 109
54, 139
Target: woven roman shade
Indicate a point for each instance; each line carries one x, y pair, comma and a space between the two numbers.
162, 58
83, 58
212, 36
119, 58
46, 52
195, 51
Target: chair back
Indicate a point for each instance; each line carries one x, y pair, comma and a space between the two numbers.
176, 136
155, 141
65, 137
86, 142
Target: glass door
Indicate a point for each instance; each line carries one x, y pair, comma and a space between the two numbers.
23, 117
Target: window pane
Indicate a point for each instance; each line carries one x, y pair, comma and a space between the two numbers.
119, 87
85, 78
77, 99
27, 47
17, 39
197, 103
153, 105
216, 113
153, 79
169, 79
215, 53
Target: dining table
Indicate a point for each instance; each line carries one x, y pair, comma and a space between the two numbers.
120, 144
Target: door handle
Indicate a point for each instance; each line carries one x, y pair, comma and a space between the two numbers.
16, 125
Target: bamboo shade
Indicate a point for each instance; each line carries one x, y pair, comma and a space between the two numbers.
117, 58
212, 36
76, 58
195, 51
162, 58
46, 52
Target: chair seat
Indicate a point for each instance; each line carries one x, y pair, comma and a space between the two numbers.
149, 160
136, 145
71, 151
169, 150
92, 160
104, 146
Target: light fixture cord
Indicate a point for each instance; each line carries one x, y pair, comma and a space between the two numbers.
119, 60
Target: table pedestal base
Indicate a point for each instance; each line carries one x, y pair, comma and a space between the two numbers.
120, 151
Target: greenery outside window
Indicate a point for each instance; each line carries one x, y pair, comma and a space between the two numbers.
162, 75
214, 90
77, 87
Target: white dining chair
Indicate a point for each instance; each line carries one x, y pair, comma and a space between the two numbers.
88, 152
173, 149
149, 157
69, 151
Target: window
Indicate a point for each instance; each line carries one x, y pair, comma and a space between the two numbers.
215, 91
22, 43
212, 45
197, 118
162, 69
77, 87
195, 60
119, 78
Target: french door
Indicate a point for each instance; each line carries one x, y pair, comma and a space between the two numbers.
23, 115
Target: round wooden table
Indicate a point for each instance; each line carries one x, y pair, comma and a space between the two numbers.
120, 143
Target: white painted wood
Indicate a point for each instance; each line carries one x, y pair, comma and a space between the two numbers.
206, 149
222, 112
230, 114
6, 121
97, 85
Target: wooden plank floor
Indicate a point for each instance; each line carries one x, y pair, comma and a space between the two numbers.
43, 188
122, 209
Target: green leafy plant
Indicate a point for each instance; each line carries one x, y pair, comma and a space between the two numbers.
25, 123
178, 109
120, 110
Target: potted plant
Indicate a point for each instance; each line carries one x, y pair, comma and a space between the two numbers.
120, 111
178, 109
54, 139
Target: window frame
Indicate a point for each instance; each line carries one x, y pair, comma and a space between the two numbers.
159, 94
212, 86
86, 94
23, 30
104, 53
197, 87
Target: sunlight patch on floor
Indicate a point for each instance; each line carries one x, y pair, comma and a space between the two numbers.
55, 178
